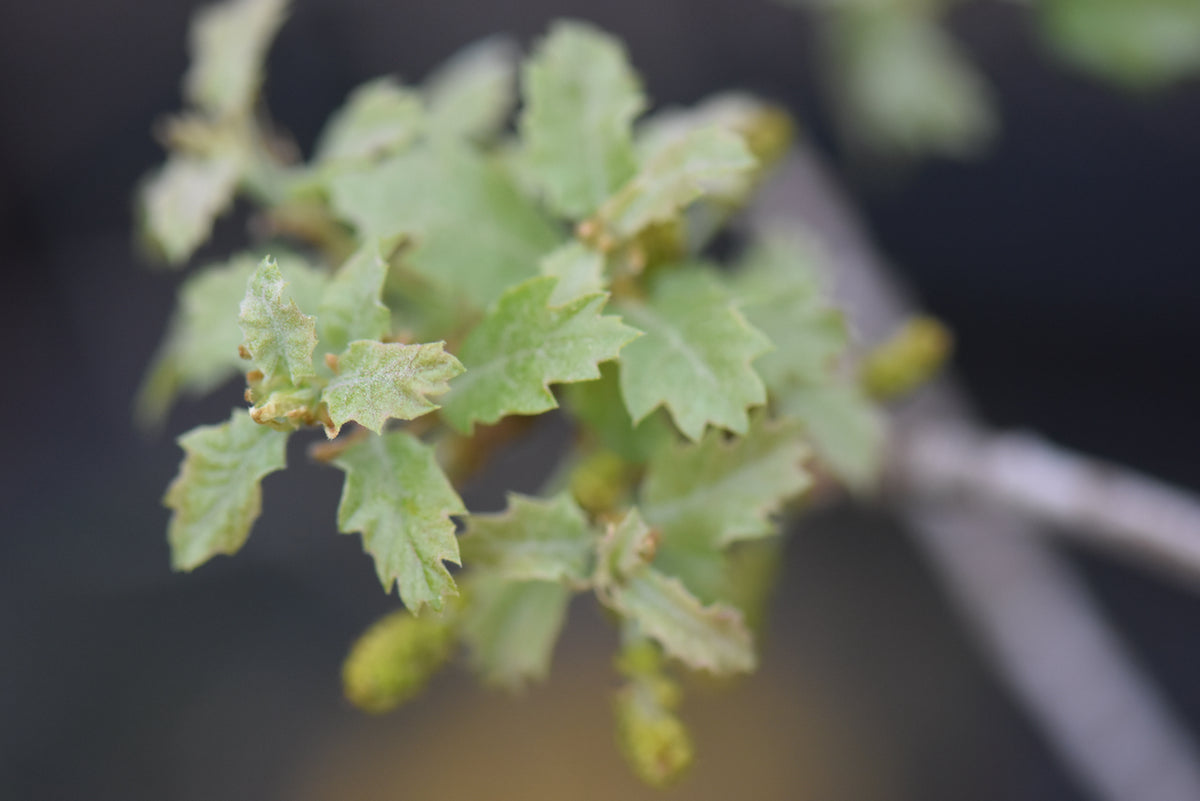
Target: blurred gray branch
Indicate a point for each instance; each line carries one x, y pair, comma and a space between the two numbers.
976, 502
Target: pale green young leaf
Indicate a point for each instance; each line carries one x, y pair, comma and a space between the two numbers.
579, 270
779, 293
380, 117
200, 351
510, 627
695, 356
216, 497
714, 492
182, 200
523, 346
229, 43
471, 95
350, 307
736, 112
399, 498
378, 381
533, 539
473, 232
712, 638
1136, 44
674, 177
279, 337
581, 96
598, 405
844, 426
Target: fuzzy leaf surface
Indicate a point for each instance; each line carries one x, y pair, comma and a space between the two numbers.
581, 96
471, 95
711, 493
510, 627
473, 232
674, 177
378, 381
217, 495
534, 539
229, 43
183, 199
350, 307
200, 351
398, 497
712, 638
280, 338
695, 356
524, 345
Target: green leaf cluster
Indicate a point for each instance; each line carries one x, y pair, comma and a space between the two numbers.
438, 279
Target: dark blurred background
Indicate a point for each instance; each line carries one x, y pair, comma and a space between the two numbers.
1065, 260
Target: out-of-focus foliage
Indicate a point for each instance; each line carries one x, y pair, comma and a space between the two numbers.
901, 86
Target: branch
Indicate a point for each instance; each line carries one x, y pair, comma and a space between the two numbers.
1094, 502
1047, 639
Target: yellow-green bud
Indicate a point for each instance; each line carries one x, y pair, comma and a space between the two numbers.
907, 360
655, 743
394, 659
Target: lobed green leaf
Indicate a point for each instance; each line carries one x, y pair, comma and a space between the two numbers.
712, 638
524, 345
399, 498
695, 356
279, 337
581, 96
472, 231
718, 491
376, 382
216, 497
672, 178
